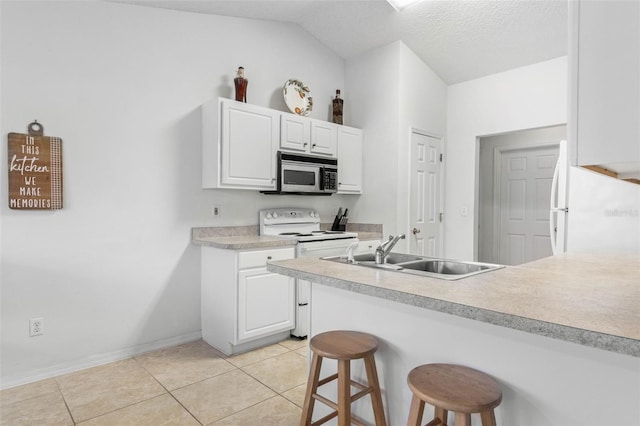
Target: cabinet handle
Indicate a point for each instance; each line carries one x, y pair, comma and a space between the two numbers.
268, 257
313, 145
305, 144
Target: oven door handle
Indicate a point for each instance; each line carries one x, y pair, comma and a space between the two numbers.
337, 249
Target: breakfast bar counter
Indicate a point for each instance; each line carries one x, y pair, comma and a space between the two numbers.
561, 334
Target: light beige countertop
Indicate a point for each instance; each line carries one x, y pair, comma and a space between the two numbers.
589, 299
246, 237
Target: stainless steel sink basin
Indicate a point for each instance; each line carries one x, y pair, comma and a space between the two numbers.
392, 258
419, 265
446, 267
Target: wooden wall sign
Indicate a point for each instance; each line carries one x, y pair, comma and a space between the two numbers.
35, 170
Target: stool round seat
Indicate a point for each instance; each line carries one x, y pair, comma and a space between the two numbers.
344, 347
456, 388
343, 344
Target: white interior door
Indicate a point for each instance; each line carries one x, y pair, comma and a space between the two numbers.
425, 197
523, 197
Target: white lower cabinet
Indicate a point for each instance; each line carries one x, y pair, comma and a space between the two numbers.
244, 306
265, 303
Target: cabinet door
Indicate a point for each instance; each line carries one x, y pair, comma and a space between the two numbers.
323, 138
349, 160
607, 75
266, 303
249, 144
295, 132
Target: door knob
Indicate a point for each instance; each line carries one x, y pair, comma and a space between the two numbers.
415, 231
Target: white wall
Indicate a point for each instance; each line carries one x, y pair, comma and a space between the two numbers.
423, 100
392, 91
114, 272
524, 98
373, 80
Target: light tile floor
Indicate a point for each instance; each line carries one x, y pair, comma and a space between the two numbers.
190, 384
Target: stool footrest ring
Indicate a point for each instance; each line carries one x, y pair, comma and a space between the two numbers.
325, 419
327, 379
334, 414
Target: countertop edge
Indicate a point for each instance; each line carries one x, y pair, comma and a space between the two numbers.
247, 237
608, 342
219, 243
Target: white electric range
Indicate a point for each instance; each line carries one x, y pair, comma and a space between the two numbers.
303, 224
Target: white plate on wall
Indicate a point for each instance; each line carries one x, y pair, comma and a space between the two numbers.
297, 96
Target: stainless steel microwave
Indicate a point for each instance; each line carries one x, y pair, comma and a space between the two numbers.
306, 175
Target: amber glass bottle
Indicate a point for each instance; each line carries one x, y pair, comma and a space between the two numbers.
337, 108
241, 86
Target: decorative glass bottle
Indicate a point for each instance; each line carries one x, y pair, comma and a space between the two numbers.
241, 85
337, 108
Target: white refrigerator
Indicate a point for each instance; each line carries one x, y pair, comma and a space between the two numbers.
592, 212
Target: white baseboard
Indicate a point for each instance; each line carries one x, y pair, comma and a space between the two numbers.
99, 359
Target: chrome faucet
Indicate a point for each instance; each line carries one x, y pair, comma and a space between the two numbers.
352, 246
384, 249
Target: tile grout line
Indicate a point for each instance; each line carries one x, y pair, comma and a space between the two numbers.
277, 393
171, 393
249, 407
128, 405
287, 350
66, 404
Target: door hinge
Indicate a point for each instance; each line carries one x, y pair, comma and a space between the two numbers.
441, 157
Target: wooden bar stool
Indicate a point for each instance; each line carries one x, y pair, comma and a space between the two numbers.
456, 388
343, 346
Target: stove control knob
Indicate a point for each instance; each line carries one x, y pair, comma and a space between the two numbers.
274, 214
268, 215
314, 214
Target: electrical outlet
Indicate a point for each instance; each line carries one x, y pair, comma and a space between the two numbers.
36, 327
215, 210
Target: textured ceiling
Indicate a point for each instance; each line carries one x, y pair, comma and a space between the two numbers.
459, 39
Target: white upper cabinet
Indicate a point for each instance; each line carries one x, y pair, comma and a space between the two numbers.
350, 143
239, 145
307, 135
240, 142
324, 136
295, 133
604, 60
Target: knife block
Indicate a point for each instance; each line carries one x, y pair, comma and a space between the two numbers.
340, 224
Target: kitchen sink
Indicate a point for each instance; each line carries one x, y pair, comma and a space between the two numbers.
392, 258
445, 269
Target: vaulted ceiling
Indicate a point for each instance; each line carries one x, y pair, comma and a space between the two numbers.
459, 39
